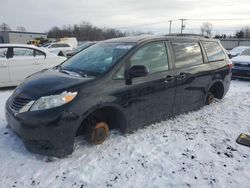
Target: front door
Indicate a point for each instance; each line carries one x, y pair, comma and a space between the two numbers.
23, 63
151, 98
4, 66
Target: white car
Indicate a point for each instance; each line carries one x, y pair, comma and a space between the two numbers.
241, 63
18, 61
55, 48
238, 50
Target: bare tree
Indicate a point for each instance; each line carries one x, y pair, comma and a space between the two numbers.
21, 28
243, 33
5, 27
206, 29
84, 31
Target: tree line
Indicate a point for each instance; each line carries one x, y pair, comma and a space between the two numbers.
85, 31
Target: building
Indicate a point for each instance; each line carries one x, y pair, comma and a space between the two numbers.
19, 37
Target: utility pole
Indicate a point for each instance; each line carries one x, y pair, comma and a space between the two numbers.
170, 26
182, 25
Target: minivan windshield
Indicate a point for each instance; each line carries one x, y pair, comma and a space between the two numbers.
97, 59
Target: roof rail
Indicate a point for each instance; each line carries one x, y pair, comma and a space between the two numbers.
186, 35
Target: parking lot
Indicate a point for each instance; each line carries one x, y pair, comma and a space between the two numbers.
196, 149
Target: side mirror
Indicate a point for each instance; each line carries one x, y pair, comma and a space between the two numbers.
229, 55
136, 71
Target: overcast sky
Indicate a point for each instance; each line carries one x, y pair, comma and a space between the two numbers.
145, 15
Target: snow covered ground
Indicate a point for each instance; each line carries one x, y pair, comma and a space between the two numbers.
196, 149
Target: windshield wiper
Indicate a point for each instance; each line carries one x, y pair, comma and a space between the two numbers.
58, 67
73, 72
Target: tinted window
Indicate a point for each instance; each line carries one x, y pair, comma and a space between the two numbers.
54, 46
214, 51
3, 53
23, 52
187, 54
65, 45
154, 56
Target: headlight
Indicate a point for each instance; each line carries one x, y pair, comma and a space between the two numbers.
52, 101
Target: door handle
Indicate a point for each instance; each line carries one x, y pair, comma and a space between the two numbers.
169, 79
181, 76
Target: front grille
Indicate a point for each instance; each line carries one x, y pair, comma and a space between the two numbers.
241, 65
18, 103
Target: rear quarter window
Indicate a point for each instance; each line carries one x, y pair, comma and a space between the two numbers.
186, 54
213, 50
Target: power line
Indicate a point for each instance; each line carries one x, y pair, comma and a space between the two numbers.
221, 19
188, 19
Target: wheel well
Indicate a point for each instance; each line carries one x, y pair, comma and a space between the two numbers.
110, 115
217, 89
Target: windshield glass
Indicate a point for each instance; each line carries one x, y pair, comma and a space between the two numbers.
97, 59
239, 49
246, 52
83, 46
46, 45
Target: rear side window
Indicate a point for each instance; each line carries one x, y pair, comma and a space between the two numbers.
187, 54
214, 51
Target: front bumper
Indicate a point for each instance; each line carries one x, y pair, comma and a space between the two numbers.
241, 72
49, 132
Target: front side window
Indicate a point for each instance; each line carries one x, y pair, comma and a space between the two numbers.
213, 50
23, 52
186, 54
97, 59
154, 56
3, 53
39, 53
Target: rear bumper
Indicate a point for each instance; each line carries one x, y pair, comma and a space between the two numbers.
45, 133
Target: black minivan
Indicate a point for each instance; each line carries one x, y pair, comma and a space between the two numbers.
122, 84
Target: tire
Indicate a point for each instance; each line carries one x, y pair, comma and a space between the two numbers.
209, 98
97, 133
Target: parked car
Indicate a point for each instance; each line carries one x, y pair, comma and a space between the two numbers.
56, 48
241, 63
237, 51
121, 84
80, 48
18, 61
69, 40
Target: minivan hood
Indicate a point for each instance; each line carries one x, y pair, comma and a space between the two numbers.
46, 83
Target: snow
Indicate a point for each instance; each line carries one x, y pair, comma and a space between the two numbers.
196, 149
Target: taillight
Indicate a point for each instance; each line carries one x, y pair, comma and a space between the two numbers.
230, 65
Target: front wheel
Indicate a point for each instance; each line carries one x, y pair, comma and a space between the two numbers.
97, 133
